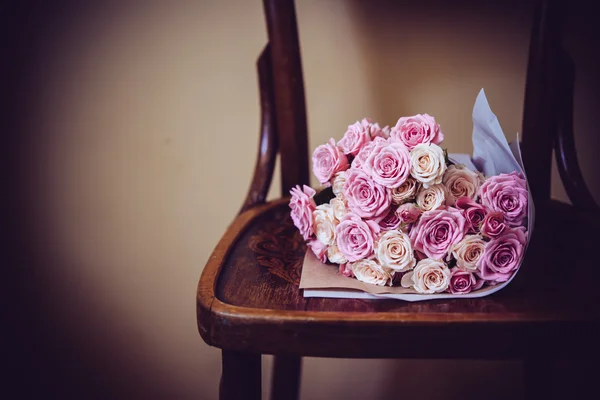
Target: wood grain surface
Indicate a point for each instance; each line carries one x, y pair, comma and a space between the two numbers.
255, 304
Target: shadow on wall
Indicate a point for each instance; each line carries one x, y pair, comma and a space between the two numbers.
63, 334
57, 339
438, 61
420, 61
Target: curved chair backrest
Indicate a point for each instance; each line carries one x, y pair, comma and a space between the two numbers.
547, 114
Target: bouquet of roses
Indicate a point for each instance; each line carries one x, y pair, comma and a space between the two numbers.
403, 213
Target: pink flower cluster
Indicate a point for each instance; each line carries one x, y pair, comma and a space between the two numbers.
401, 208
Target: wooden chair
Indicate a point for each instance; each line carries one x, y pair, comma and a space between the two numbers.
248, 300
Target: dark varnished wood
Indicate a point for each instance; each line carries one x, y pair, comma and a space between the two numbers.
267, 146
289, 92
248, 296
539, 112
286, 378
542, 306
546, 377
241, 376
538, 377
564, 151
266, 263
268, 257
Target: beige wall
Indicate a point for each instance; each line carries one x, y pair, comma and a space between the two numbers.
147, 121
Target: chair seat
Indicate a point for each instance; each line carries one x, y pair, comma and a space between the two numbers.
249, 300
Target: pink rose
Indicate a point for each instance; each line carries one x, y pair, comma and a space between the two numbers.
335, 255
419, 255
302, 206
461, 182
356, 137
420, 128
364, 153
406, 192
371, 272
429, 276
327, 160
432, 197
365, 197
437, 230
389, 164
376, 131
463, 281
319, 249
493, 224
355, 237
408, 213
346, 270
474, 212
503, 254
390, 221
428, 164
506, 193
468, 252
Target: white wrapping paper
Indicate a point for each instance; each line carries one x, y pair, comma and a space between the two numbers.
492, 155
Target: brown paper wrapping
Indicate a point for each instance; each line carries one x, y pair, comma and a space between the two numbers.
319, 276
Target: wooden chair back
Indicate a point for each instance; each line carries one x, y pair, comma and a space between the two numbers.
547, 114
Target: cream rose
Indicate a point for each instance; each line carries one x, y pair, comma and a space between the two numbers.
428, 164
369, 271
338, 183
324, 224
468, 252
405, 192
339, 207
432, 197
335, 255
429, 276
395, 251
461, 182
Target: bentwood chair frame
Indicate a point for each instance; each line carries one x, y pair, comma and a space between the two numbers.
248, 299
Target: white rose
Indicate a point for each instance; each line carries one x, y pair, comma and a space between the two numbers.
335, 255
432, 197
324, 224
339, 207
429, 276
468, 252
405, 192
461, 181
338, 183
395, 251
428, 164
369, 271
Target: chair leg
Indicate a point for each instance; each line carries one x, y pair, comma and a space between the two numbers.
538, 378
241, 376
286, 377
